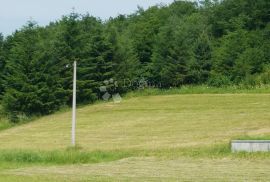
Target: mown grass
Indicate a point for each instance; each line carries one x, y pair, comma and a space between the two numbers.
173, 129
149, 122
186, 89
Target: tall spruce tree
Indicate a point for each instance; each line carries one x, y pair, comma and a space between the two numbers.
30, 84
200, 65
2, 64
66, 50
171, 55
95, 63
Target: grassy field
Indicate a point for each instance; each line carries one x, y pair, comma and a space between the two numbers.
173, 137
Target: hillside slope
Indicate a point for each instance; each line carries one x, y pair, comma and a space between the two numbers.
152, 122
150, 138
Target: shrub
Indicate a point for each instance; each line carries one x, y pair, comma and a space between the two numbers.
217, 80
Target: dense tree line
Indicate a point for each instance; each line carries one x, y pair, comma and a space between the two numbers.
214, 42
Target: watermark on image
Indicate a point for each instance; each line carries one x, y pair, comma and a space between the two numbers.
109, 88
141, 83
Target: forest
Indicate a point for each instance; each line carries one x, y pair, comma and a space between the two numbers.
215, 43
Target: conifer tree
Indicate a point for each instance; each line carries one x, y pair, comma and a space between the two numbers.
2, 64
200, 66
170, 57
66, 51
30, 86
95, 63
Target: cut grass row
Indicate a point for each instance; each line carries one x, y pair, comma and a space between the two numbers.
77, 156
145, 169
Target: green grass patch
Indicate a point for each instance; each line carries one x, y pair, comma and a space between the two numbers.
60, 157
202, 89
263, 137
210, 152
76, 156
5, 124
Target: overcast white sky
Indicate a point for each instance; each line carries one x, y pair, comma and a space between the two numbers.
15, 13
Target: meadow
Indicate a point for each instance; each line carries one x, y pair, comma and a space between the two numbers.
149, 136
